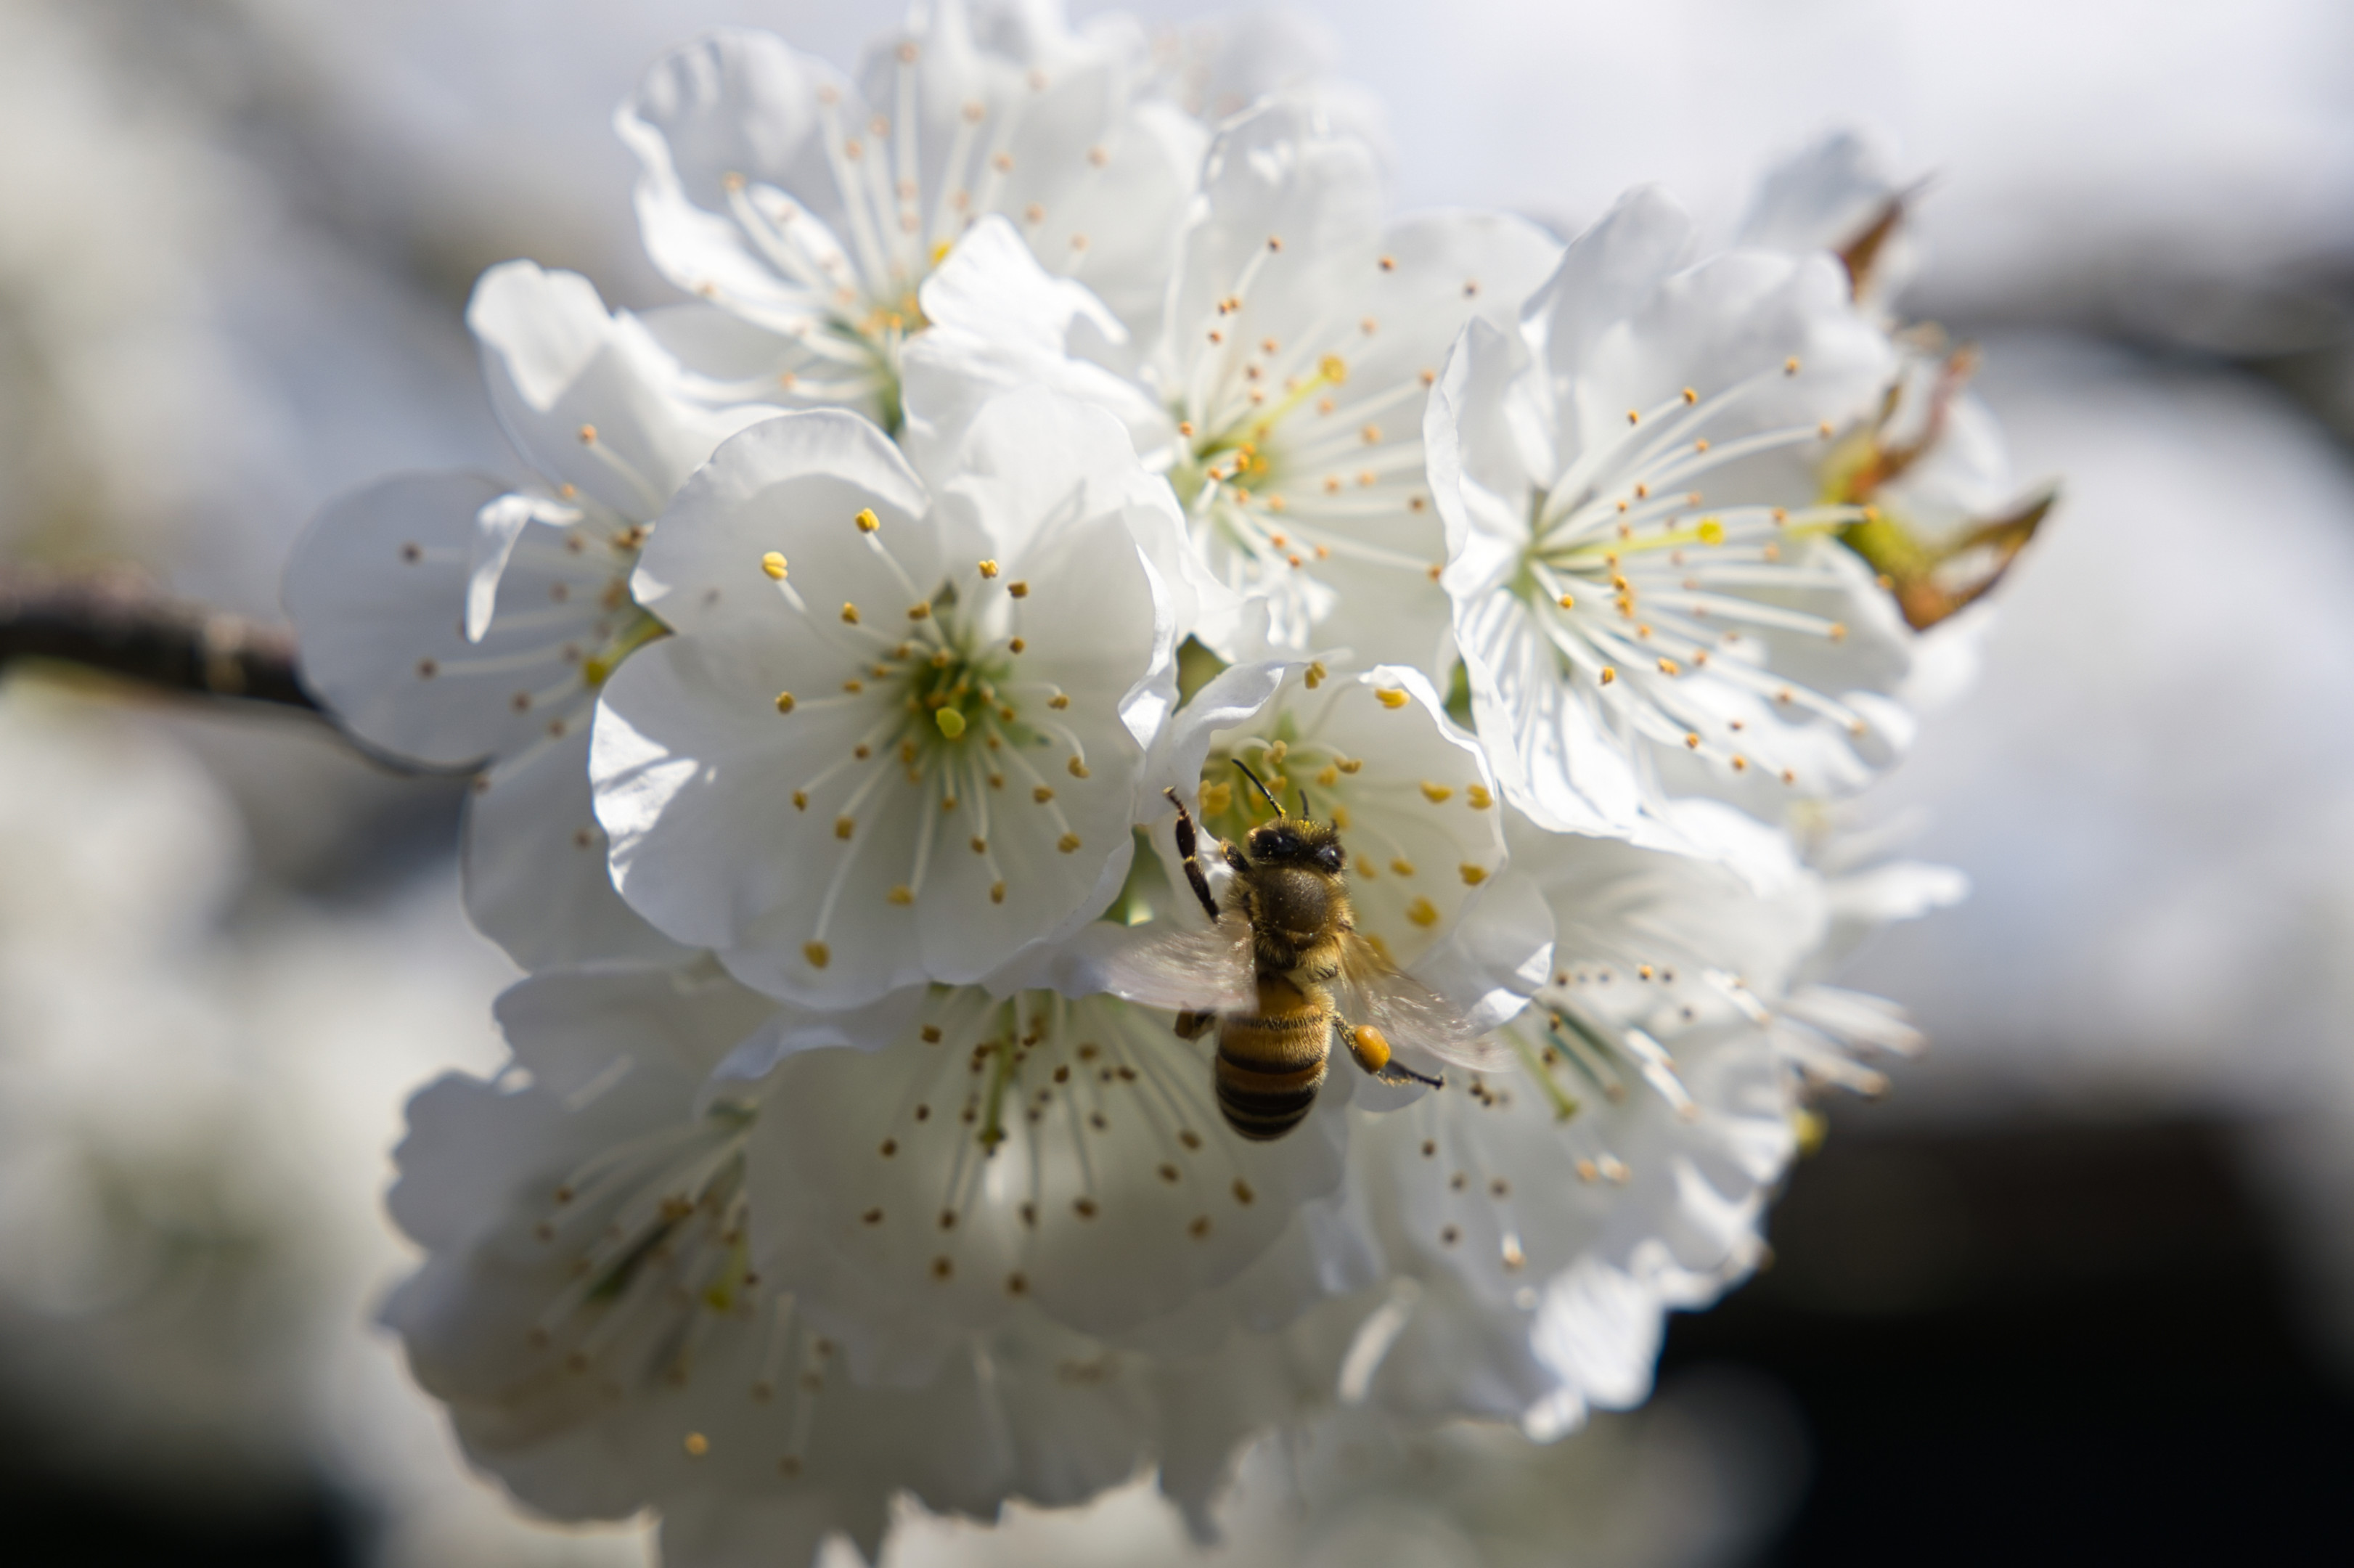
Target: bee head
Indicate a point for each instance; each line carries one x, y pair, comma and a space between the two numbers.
1296, 840
1293, 840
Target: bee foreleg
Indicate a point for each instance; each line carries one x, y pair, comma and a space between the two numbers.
1191, 1025
1187, 845
1371, 1050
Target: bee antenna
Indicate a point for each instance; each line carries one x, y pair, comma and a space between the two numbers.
1305, 809
1259, 787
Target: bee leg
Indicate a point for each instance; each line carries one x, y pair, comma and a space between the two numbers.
1191, 1025
1187, 844
1371, 1050
1399, 1073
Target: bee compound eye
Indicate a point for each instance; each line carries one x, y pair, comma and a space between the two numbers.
1330, 858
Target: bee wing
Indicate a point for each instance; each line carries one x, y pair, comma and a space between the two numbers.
1375, 990
1206, 970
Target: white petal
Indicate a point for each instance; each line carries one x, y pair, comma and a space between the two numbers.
376, 587
498, 528
1607, 272
736, 101
569, 1027
588, 398
536, 879
799, 479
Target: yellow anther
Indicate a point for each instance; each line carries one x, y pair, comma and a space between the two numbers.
1473, 875
588, 435
1015, 645
843, 827
1609, 675
920, 612
903, 893
940, 251
1670, 667
866, 520
997, 893
1692, 742
784, 702
1401, 867
1078, 770
774, 564
1068, 842
1316, 674
1018, 588
1216, 798
1567, 602
1435, 793
1341, 819
818, 954
989, 568
697, 1444
1333, 369
1059, 701
1042, 794
1392, 696
849, 612
1790, 366
801, 799
1691, 395
1838, 632
1634, 417
1421, 912
951, 722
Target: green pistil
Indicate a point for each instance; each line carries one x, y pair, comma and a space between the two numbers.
1564, 1107
642, 629
1001, 1074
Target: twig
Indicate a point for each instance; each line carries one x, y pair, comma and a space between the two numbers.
115, 620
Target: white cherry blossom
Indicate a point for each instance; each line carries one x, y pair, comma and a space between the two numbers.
1004, 1158
453, 620
1646, 592
594, 1311
1547, 1215
1284, 397
809, 207
895, 736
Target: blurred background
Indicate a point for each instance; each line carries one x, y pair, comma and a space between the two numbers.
2082, 1286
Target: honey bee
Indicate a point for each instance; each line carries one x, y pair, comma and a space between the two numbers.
1281, 972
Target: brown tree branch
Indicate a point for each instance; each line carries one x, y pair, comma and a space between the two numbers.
115, 620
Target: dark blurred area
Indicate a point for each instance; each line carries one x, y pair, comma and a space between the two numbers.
2082, 1290
2043, 1342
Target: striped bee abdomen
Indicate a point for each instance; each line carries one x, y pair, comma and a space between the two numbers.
1270, 1065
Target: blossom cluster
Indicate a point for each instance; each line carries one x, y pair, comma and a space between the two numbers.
1054, 422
